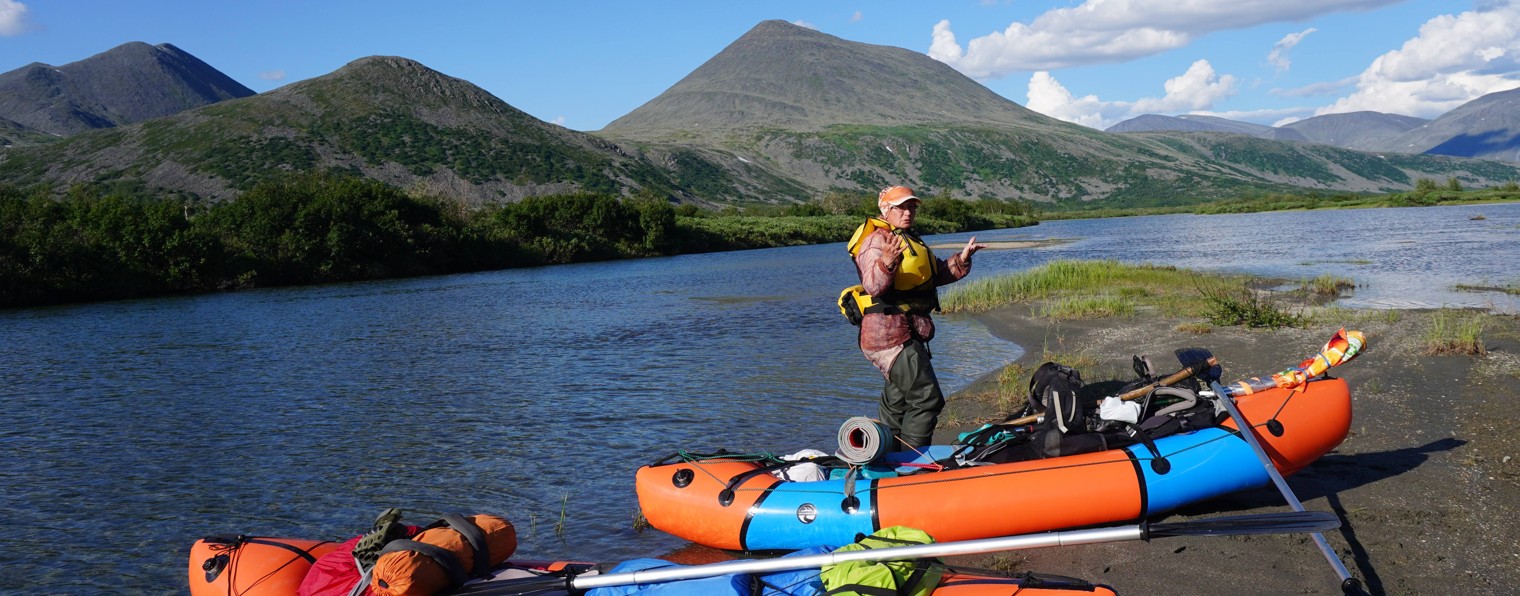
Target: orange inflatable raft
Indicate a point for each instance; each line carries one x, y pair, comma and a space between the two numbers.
261, 566
729, 502
254, 566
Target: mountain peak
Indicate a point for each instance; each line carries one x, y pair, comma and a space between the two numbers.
382, 79
780, 75
387, 62
129, 83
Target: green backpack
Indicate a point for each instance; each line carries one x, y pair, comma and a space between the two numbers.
886, 578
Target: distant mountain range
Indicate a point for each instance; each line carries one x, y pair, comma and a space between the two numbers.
386, 118
1485, 128
783, 114
1201, 123
130, 83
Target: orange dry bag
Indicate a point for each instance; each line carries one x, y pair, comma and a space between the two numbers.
443, 556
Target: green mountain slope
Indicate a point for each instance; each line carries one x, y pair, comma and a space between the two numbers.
790, 112
784, 114
385, 118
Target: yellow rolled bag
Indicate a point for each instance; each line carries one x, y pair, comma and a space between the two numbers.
444, 556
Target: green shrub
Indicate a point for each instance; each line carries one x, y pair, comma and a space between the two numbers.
1237, 304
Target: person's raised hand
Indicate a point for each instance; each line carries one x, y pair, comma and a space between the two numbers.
891, 254
971, 248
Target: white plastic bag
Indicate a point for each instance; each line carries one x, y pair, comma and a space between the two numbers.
803, 472
1114, 408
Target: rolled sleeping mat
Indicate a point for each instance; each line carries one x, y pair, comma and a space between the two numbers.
863, 440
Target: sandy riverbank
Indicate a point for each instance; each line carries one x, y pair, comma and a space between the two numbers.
1427, 485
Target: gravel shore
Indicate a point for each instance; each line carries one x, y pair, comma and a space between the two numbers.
1427, 485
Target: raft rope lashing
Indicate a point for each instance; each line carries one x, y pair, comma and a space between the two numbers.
229, 550
732, 484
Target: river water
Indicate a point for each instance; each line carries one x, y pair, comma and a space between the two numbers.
136, 427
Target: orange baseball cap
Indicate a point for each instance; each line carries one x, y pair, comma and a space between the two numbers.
892, 196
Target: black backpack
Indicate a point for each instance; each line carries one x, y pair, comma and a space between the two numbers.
1184, 412
1053, 389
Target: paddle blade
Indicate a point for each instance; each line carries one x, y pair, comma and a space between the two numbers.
1197, 359
1342, 348
1292, 522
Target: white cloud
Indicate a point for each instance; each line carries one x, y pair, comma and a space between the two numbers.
802, 23
1198, 88
1278, 57
1047, 96
1107, 31
272, 75
1194, 91
855, 18
1453, 60
13, 20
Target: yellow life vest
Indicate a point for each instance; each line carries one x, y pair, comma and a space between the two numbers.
913, 287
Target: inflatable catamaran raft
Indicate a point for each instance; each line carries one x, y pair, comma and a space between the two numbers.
734, 502
897, 560
265, 566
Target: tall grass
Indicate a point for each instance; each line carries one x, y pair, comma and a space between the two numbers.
1513, 288
1148, 283
564, 507
1086, 307
1096, 289
1327, 285
1455, 332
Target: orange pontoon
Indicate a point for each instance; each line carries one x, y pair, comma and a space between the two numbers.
730, 502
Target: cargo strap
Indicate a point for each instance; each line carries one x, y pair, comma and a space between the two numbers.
475, 537
442, 556
445, 558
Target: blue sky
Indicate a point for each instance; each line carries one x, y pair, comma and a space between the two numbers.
582, 64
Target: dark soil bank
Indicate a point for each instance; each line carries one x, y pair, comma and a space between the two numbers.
1427, 484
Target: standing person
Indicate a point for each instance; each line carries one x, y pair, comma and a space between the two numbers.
900, 274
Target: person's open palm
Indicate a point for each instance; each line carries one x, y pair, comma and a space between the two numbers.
971, 248
891, 253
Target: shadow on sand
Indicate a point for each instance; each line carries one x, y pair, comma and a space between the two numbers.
1328, 477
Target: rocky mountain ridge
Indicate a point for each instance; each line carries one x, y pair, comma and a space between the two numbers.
130, 83
784, 114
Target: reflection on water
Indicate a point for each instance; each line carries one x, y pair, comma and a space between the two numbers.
137, 427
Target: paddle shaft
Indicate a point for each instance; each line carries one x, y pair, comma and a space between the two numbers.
1132, 394
1265, 523
1348, 583
896, 553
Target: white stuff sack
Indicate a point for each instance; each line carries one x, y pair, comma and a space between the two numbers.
805, 471
1114, 408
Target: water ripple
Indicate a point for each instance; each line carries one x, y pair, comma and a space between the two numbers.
136, 427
